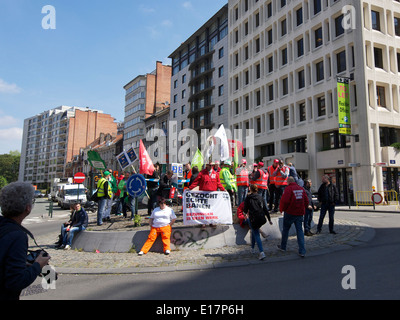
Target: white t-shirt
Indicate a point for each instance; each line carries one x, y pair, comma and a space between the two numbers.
162, 218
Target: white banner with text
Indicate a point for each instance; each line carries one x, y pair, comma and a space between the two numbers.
205, 207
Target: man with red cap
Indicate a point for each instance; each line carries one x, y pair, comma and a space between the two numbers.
271, 184
260, 179
242, 182
208, 180
281, 175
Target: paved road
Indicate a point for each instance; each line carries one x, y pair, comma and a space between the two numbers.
314, 277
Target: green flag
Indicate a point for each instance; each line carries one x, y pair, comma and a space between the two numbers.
96, 161
197, 160
235, 158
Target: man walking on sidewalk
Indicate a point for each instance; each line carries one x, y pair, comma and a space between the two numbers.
293, 203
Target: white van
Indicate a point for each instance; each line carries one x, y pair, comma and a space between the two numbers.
68, 194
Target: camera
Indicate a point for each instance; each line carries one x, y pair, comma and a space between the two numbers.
32, 255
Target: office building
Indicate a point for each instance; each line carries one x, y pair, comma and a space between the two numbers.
52, 138
199, 85
285, 60
143, 96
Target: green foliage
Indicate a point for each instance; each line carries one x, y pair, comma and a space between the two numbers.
3, 182
9, 166
137, 220
396, 145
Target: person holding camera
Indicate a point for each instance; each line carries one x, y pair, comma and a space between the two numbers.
16, 202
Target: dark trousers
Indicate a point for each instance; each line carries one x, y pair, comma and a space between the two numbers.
272, 196
307, 219
331, 210
278, 195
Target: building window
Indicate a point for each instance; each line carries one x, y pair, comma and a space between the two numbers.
269, 37
270, 64
183, 109
271, 121
397, 26
270, 92
220, 109
246, 77
284, 56
376, 21
378, 58
221, 52
285, 117
341, 61
221, 71
321, 106
388, 136
258, 71
246, 103
257, 19
258, 98
302, 111
285, 86
319, 66
221, 90
299, 16
269, 10
283, 27
317, 6
258, 125
339, 26
318, 37
380, 96
257, 45
301, 79
300, 47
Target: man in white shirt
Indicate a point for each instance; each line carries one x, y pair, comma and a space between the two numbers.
161, 221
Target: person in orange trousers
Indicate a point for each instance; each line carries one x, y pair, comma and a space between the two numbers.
161, 221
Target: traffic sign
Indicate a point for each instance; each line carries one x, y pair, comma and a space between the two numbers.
377, 198
136, 185
79, 177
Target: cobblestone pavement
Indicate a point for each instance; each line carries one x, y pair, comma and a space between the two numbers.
349, 234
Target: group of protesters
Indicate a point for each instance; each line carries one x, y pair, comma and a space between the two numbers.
257, 191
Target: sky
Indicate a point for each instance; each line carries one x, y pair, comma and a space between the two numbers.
95, 49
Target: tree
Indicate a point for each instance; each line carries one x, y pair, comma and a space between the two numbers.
9, 166
3, 182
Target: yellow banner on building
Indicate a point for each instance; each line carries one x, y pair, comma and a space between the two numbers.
343, 93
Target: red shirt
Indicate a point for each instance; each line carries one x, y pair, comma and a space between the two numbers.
207, 181
294, 200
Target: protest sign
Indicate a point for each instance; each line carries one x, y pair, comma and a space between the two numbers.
204, 207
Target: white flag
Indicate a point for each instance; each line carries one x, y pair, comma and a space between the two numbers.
221, 134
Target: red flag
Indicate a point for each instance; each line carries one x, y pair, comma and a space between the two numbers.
145, 164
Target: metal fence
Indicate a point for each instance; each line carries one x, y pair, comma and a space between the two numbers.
382, 198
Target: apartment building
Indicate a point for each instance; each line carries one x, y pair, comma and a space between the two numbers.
52, 138
285, 57
143, 96
199, 84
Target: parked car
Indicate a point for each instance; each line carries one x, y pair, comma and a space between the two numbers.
39, 194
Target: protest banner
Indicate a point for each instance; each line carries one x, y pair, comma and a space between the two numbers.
204, 207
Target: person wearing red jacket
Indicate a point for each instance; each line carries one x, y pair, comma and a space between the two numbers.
293, 204
207, 180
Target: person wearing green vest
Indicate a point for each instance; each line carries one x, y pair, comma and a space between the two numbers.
228, 180
124, 195
104, 193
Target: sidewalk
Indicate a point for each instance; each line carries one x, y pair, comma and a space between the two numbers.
378, 208
350, 234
